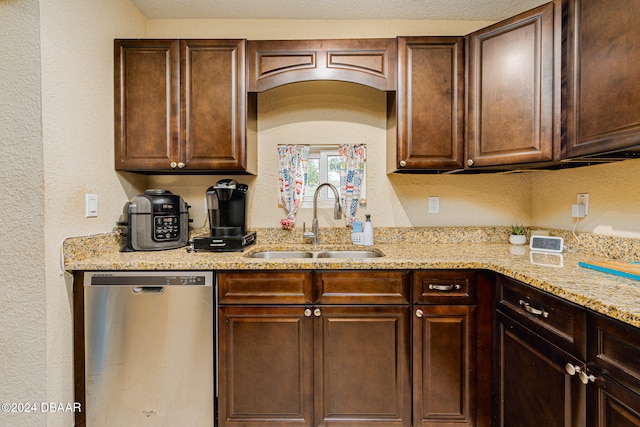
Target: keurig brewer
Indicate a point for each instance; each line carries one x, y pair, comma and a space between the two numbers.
227, 213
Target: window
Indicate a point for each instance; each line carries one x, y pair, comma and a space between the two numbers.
324, 166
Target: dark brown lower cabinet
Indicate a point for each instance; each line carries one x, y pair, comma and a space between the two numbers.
444, 366
613, 393
362, 366
535, 388
611, 404
314, 365
266, 366
351, 363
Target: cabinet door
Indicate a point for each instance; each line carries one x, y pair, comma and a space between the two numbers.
613, 354
444, 366
147, 93
603, 76
511, 91
534, 388
362, 371
611, 405
430, 104
214, 103
265, 366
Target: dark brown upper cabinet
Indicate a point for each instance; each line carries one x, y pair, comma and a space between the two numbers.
274, 63
182, 106
602, 74
426, 117
512, 103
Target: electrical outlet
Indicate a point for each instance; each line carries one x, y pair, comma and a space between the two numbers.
583, 199
434, 205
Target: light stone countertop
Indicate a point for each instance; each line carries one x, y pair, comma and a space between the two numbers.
607, 294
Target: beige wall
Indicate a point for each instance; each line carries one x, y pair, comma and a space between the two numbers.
614, 205
22, 303
59, 127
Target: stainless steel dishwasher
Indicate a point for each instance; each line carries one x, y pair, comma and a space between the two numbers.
149, 349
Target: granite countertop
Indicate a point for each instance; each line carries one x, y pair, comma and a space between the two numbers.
558, 274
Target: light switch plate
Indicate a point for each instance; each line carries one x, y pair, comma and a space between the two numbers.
91, 205
434, 205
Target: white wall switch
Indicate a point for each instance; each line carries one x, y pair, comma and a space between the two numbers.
434, 205
91, 205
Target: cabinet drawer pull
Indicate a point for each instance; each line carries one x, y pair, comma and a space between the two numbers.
419, 313
444, 288
534, 311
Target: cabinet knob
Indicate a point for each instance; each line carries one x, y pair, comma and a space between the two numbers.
586, 378
419, 313
572, 369
403, 163
173, 165
181, 165
307, 312
317, 312
470, 162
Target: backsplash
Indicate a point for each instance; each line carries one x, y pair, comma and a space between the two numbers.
622, 248
596, 244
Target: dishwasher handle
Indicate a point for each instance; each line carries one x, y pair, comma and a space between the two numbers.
147, 289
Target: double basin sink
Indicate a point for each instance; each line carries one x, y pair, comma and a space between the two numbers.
345, 254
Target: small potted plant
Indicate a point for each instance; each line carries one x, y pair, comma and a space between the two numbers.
517, 236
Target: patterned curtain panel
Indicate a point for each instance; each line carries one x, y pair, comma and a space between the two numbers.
292, 177
352, 160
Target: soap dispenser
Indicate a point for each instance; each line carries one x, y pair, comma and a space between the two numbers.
367, 237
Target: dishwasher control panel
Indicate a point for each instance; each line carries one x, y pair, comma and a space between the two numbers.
148, 278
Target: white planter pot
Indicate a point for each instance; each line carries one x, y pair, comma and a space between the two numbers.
517, 239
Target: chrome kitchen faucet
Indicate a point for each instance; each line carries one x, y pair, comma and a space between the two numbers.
337, 212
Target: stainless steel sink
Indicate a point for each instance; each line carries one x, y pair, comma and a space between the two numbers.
353, 254
281, 254
349, 254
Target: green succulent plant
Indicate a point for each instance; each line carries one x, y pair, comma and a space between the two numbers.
517, 229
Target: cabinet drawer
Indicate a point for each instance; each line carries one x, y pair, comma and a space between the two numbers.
614, 349
444, 287
264, 287
357, 287
559, 321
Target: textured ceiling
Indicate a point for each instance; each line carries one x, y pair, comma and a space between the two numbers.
465, 10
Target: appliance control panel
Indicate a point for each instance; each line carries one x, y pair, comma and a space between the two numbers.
148, 278
166, 228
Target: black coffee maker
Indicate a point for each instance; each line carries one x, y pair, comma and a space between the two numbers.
227, 213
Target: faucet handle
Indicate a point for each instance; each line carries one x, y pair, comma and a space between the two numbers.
306, 234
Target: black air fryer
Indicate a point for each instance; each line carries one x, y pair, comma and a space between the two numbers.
227, 208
